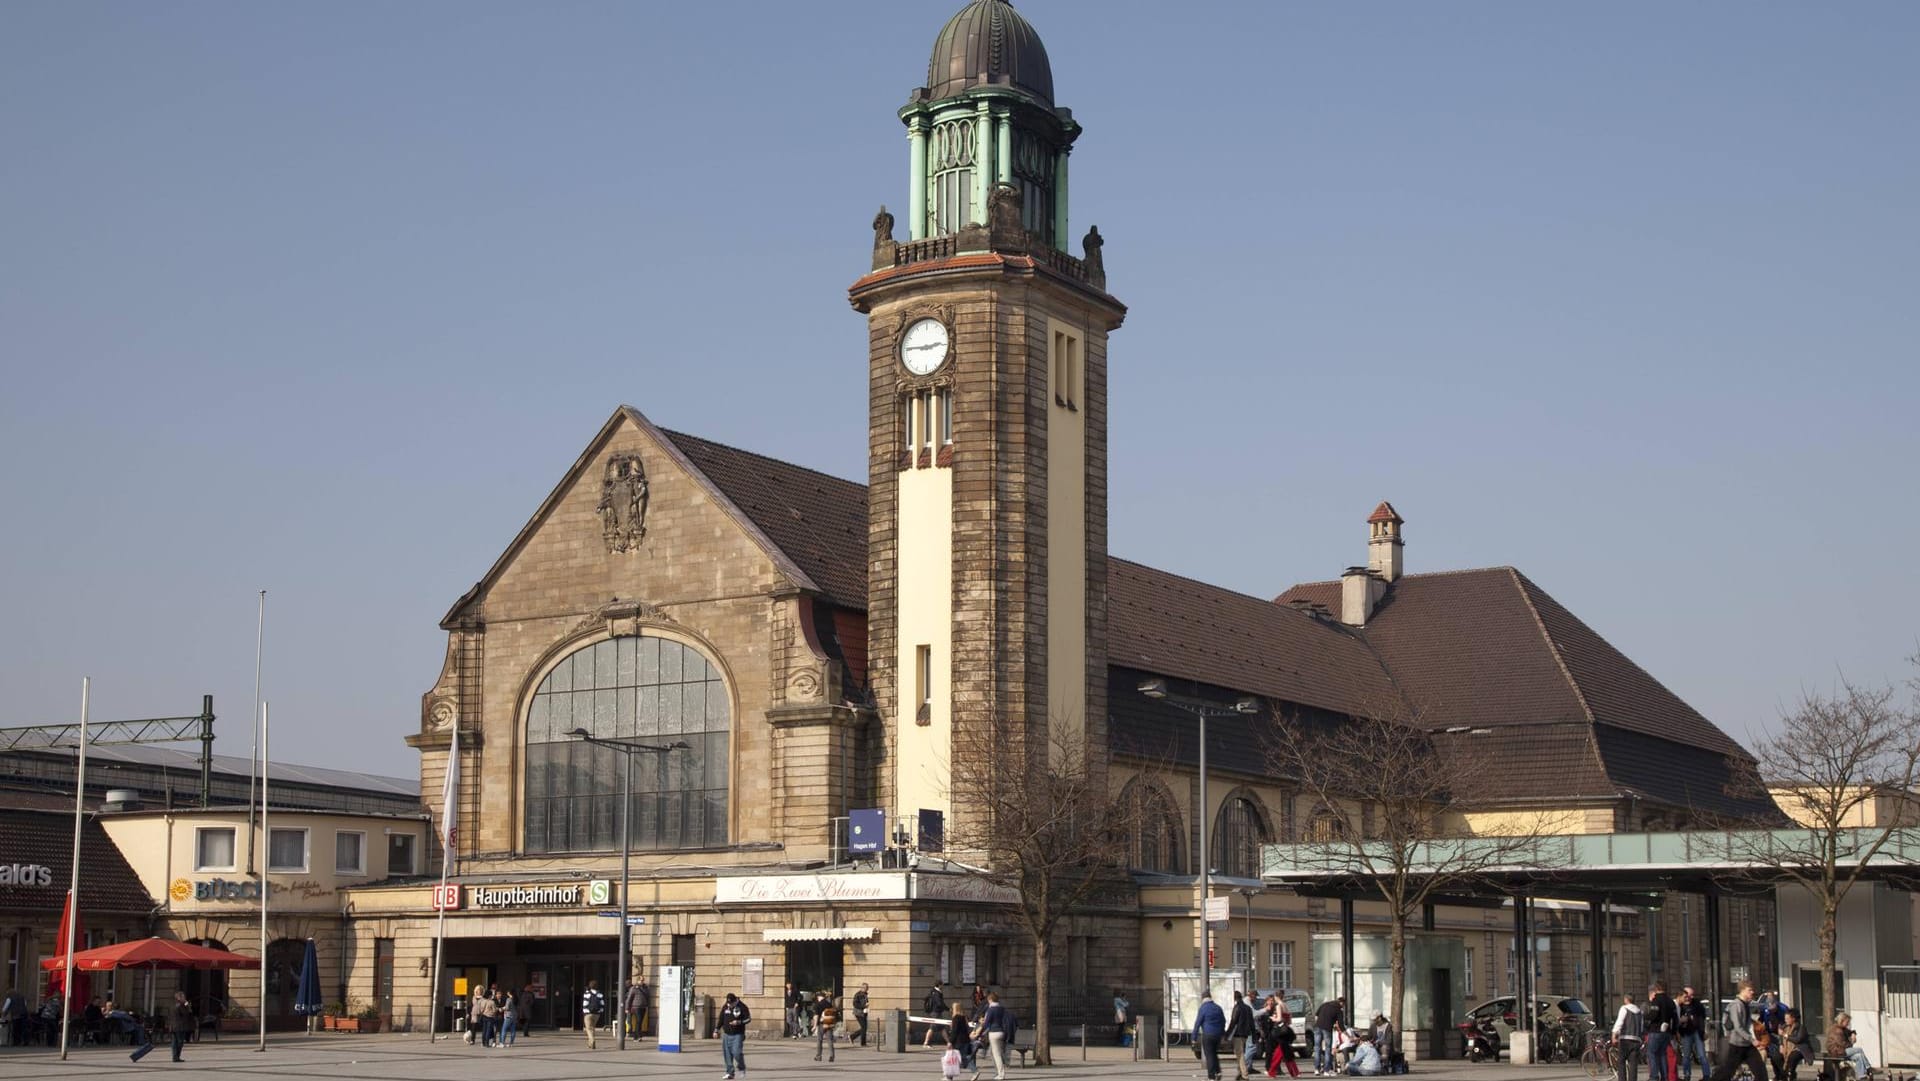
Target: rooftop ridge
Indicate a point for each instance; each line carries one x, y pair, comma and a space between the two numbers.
676, 436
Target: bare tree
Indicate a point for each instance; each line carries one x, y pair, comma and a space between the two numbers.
1034, 815
1389, 797
1843, 767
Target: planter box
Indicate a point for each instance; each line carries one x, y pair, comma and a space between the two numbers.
239, 1024
355, 1024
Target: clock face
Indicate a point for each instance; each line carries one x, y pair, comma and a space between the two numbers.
924, 346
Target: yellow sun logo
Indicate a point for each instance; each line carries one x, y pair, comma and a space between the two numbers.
181, 889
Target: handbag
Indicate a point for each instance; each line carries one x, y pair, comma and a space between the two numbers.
950, 1064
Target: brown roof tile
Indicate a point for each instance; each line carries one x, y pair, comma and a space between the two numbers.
818, 520
107, 883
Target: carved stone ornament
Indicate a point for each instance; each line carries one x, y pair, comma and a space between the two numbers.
1009, 233
883, 244
442, 714
623, 503
803, 687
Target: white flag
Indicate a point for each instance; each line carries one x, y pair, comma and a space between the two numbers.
450, 805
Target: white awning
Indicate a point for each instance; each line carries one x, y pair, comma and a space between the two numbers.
816, 934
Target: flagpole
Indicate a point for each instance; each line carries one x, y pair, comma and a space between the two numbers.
73, 887
266, 887
253, 759
448, 809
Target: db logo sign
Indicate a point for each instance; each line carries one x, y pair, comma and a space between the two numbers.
446, 898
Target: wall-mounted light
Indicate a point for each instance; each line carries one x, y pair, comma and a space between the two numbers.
1166, 925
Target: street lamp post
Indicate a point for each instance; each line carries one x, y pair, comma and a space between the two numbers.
1201, 709
629, 748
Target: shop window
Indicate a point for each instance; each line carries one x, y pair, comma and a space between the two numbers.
213, 848
400, 854
287, 851
350, 852
652, 691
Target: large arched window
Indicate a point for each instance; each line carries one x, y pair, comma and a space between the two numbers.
1157, 828
1238, 834
649, 690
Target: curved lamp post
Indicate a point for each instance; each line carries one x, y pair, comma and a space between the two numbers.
629, 748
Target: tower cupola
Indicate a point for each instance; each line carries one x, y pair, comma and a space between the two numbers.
986, 119
1384, 545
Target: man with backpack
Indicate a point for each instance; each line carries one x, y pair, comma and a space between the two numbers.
1662, 1016
934, 1005
593, 1004
1629, 1029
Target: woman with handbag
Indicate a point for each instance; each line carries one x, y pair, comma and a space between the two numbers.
1282, 1041
959, 1054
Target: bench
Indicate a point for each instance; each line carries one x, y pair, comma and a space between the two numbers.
1836, 1068
1022, 1045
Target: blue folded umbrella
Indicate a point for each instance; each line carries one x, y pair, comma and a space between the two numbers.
308, 1000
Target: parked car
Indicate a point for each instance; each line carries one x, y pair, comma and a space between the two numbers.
1549, 1011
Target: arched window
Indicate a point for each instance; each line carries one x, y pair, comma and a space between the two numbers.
651, 691
1326, 826
951, 160
1238, 834
1156, 829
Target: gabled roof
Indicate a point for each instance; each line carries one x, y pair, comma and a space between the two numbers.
764, 509
1385, 513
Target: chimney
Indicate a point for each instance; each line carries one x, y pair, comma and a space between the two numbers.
1360, 590
1383, 542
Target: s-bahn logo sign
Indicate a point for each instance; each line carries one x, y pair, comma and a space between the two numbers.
25, 874
573, 894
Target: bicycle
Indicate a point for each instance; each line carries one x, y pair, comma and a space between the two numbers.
1601, 1059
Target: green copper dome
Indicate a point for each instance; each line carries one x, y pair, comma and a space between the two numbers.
989, 44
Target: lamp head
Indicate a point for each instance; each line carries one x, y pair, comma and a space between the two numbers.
580, 733
1154, 688
1249, 704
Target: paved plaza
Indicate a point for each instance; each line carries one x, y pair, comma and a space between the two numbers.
566, 1058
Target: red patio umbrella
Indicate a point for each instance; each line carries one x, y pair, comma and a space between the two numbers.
77, 994
153, 953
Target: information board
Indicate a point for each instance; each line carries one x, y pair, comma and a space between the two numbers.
1183, 994
673, 1022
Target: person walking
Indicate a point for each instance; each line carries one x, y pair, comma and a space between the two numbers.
997, 1021
960, 1039
630, 1011
734, 1016
523, 1003
1742, 1015
826, 1027
1328, 1019
1282, 1041
796, 1004
1629, 1031
593, 1004
1209, 1027
180, 1022
860, 1000
1239, 1034
934, 1005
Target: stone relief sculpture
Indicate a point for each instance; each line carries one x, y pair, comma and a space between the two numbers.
623, 503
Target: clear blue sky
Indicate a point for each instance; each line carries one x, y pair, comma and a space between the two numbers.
323, 298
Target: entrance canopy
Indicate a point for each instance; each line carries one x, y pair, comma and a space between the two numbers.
152, 953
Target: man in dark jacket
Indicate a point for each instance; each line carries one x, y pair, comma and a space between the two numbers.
1239, 1032
934, 1005
734, 1016
1690, 1033
860, 1014
1662, 1018
1330, 1018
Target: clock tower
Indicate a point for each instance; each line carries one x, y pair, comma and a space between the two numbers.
987, 390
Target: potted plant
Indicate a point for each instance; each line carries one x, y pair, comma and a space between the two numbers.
330, 1017
369, 1017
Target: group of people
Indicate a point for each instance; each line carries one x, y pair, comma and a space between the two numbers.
1261, 1036
102, 1019
819, 1018
991, 1027
493, 1016
1762, 1034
